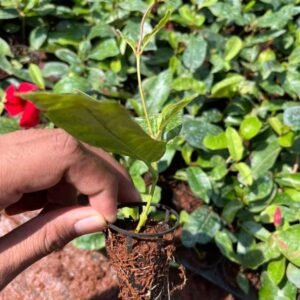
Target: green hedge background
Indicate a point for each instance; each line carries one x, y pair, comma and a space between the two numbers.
240, 139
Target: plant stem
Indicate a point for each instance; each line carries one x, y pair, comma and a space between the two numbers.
138, 68
144, 214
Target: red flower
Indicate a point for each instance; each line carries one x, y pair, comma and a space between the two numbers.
277, 218
14, 105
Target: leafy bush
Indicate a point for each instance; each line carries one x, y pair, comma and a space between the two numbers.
240, 136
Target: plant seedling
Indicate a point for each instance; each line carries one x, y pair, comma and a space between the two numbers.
108, 125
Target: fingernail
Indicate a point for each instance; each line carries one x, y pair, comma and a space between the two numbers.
89, 225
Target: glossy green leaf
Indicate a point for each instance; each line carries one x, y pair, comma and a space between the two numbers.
37, 76
264, 156
199, 183
289, 180
288, 242
232, 47
245, 174
227, 87
103, 124
4, 48
293, 274
269, 290
243, 282
194, 131
37, 37
201, 227
230, 210
8, 13
225, 245
195, 53
156, 29
68, 56
287, 140
215, 142
256, 230
128, 40
159, 91
250, 127
276, 269
291, 117
189, 84
234, 144
105, 49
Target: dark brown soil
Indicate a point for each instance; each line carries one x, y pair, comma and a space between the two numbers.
142, 265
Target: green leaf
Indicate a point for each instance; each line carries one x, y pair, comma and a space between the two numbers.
276, 269
36, 76
230, 210
37, 37
159, 91
104, 124
199, 183
170, 111
93, 241
264, 156
257, 230
225, 245
245, 174
195, 53
8, 125
128, 40
71, 84
105, 49
243, 282
276, 20
293, 275
162, 23
195, 130
291, 117
227, 87
289, 180
201, 227
232, 47
4, 48
250, 127
67, 56
234, 144
56, 69
288, 242
8, 13
189, 84
215, 142
269, 290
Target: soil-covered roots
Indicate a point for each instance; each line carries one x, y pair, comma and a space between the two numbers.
142, 265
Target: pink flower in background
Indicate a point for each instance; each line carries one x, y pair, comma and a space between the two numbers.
14, 105
277, 218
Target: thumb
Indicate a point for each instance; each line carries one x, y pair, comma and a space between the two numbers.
43, 234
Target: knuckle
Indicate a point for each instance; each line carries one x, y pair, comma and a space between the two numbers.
64, 143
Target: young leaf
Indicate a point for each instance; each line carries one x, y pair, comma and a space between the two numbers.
245, 174
36, 76
104, 124
234, 144
128, 40
276, 269
233, 47
156, 29
170, 111
250, 127
215, 142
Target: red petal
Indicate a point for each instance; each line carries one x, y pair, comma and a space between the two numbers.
13, 104
30, 117
26, 87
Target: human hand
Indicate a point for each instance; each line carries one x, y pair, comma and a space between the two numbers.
46, 169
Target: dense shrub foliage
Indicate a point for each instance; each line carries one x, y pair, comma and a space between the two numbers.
239, 141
